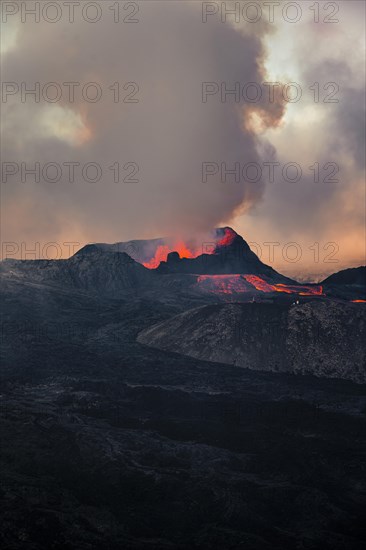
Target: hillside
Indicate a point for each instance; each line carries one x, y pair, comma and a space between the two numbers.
319, 338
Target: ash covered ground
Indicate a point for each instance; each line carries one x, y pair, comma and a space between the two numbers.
110, 443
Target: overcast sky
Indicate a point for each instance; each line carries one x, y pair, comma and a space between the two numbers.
172, 136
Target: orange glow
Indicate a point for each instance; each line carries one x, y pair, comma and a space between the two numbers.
228, 238
161, 255
359, 301
187, 251
259, 283
223, 284
238, 283
162, 252
302, 290
83, 135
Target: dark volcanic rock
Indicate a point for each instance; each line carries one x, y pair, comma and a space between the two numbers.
231, 255
109, 444
140, 250
353, 276
349, 284
173, 258
319, 338
90, 269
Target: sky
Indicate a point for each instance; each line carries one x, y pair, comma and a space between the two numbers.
130, 133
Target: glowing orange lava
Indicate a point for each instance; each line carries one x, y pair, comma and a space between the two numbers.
238, 283
302, 290
259, 283
162, 252
228, 237
359, 301
223, 284
188, 251
161, 255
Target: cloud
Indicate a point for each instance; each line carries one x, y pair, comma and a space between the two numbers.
169, 133
329, 133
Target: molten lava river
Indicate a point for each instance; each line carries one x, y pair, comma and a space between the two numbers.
228, 284
238, 284
303, 290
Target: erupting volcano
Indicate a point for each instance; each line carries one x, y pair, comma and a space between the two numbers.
162, 252
221, 238
223, 265
219, 263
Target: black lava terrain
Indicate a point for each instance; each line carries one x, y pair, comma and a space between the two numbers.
108, 443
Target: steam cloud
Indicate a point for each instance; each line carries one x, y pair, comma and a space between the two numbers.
169, 133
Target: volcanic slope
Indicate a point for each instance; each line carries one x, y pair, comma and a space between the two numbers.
323, 338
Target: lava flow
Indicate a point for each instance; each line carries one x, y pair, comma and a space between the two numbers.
259, 284
358, 301
238, 283
223, 284
302, 290
228, 238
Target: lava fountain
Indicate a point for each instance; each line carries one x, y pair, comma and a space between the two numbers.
189, 250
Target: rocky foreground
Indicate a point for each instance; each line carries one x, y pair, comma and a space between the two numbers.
128, 420
323, 338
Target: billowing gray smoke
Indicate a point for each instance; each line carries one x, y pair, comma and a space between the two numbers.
167, 134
